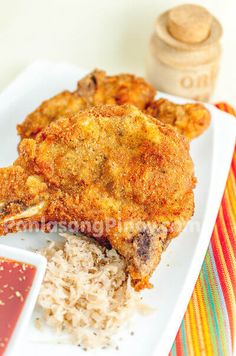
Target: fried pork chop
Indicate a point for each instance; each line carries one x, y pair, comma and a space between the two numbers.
111, 167
97, 89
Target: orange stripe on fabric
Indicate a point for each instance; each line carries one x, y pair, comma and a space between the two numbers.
189, 325
226, 108
220, 106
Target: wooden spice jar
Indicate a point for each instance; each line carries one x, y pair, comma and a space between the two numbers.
184, 52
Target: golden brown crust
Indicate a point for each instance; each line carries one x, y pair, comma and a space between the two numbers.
48, 111
98, 89
191, 120
109, 162
95, 89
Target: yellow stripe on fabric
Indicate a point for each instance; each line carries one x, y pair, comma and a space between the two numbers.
204, 322
231, 191
230, 109
197, 325
189, 326
192, 330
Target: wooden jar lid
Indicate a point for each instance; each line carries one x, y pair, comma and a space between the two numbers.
188, 27
189, 23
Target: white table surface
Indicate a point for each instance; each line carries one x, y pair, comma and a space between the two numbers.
109, 34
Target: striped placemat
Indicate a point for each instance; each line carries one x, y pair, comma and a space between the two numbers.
209, 324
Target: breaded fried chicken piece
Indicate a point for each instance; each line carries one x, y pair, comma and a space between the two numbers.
125, 178
95, 89
191, 120
50, 110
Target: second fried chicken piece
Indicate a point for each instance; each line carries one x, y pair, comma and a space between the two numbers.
191, 120
122, 176
95, 89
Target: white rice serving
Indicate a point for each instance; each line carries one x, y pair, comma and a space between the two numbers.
86, 291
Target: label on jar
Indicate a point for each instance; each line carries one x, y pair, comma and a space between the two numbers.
195, 83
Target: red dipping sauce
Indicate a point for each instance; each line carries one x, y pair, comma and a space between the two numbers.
16, 279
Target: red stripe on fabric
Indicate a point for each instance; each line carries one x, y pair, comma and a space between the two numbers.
228, 224
218, 105
226, 108
227, 256
222, 279
233, 165
178, 344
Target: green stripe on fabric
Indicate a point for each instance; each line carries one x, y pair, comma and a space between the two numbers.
215, 338
210, 323
223, 309
217, 308
183, 338
173, 350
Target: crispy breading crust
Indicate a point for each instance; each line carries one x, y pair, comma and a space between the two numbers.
191, 120
95, 89
109, 162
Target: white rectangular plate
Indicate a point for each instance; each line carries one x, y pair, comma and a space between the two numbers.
176, 275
